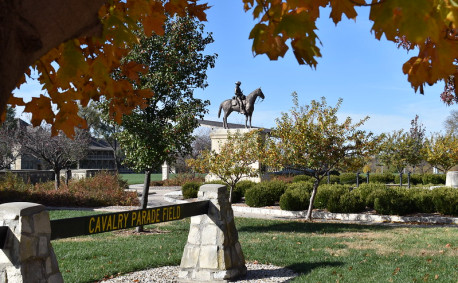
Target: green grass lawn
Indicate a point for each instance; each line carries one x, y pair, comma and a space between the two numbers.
320, 252
133, 179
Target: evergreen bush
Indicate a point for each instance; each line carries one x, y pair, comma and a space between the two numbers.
350, 178
259, 196
422, 199
302, 178
446, 200
385, 178
296, 197
190, 189
393, 201
244, 185
435, 179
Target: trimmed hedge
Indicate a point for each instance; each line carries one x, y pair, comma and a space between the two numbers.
384, 178
445, 200
302, 178
245, 185
392, 201
435, 179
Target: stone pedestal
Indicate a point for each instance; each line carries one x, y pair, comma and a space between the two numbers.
27, 255
452, 179
213, 252
219, 138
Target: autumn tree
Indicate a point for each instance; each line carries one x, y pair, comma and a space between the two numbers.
58, 151
401, 149
426, 26
201, 142
234, 159
74, 46
441, 151
311, 140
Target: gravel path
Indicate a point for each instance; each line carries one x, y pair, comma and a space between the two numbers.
257, 273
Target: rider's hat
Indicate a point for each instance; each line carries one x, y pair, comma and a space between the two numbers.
238, 83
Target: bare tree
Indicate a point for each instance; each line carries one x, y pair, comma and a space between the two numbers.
451, 122
58, 151
9, 136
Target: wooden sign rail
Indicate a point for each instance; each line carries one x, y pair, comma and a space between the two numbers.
100, 223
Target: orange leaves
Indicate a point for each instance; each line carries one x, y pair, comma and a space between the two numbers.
86, 69
429, 25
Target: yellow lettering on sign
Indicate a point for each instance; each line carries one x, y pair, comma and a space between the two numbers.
164, 213
120, 218
126, 216
157, 215
113, 224
134, 216
139, 219
178, 212
91, 221
144, 217
97, 225
148, 216
108, 227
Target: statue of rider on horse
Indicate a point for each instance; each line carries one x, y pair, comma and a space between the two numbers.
241, 104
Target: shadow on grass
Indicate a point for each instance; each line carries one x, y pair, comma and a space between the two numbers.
307, 267
265, 226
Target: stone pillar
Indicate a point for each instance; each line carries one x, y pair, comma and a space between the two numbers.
213, 252
452, 179
219, 138
165, 171
27, 255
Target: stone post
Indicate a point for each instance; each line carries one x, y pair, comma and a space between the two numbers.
213, 252
165, 171
27, 255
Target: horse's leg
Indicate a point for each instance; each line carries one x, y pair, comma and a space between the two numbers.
249, 117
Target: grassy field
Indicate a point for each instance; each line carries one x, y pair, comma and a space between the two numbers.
320, 252
133, 179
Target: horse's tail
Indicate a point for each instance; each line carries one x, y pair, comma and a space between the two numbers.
220, 108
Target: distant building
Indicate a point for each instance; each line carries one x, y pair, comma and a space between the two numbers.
100, 156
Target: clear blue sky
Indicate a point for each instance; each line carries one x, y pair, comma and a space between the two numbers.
365, 72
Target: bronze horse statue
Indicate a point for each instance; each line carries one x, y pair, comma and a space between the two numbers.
248, 102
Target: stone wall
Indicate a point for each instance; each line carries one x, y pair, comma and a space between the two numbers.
27, 255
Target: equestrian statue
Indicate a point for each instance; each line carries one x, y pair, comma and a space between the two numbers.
241, 104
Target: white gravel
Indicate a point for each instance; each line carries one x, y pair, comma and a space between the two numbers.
256, 273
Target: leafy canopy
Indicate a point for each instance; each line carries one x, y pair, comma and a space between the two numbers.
177, 65
429, 26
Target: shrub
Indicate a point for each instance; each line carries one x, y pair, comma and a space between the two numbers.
101, 190
416, 179
276, 188
341, 199
422, 199
190, 189
365, 192
259, 196
296, 197
446, 200
302, 178
244, 185
435, 179
284, 178
384, 178
322, 196
350, 178
392, 202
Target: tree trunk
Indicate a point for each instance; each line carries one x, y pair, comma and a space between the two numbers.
145, 193
230, 194
312, 199
56, 179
